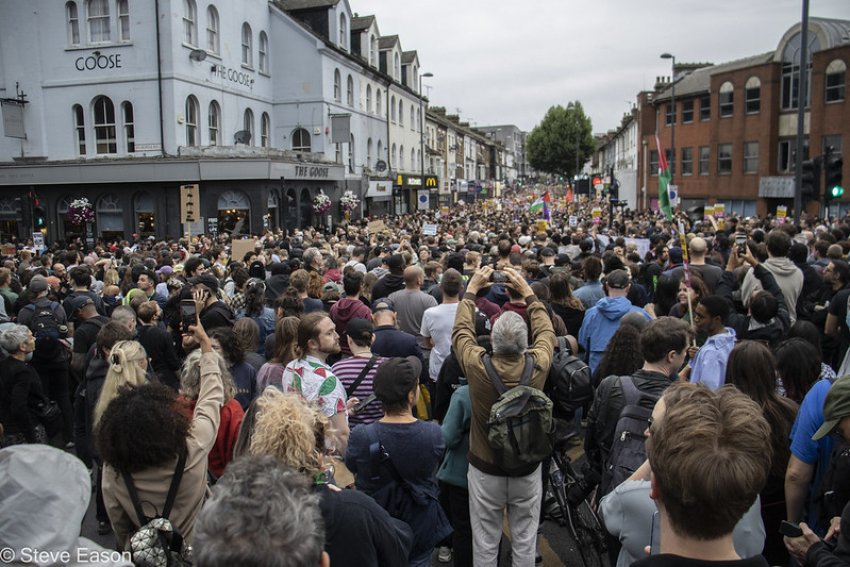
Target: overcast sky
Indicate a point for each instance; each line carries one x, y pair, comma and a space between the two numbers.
507, 62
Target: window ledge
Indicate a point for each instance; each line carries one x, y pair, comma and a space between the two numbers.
837, 101
246, 66
105, 45
264, 74
190, 47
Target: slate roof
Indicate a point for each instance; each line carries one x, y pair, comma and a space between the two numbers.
699, 80
361, 23
295, 5
387, 41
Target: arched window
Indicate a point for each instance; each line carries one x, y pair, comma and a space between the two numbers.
349, 89
79, 128
394, 157
301, 140
752, 94
791, 71
337, 86
110, 217
400, 112
212, 29
73, 18
190, 22
401, 157
836, 73
413, 160
247, 45
397, 67
123, 20
369, 153
214, 123
373, 51
248, 125
129, 125
412, 118
369, 99
414, 84
144, 207
343, 32
392, 109
418, 119
727, 99
379, 105
380, 153
192, 112
264, 52
265, 129
97, 15
351, 153
104, 126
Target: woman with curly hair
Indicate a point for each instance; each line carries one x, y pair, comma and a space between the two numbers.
226, 343
143, 433
255, 308
286, 337
623, 355
231, 414
293, 431
128, 366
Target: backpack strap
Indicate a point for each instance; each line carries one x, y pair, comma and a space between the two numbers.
360, 377
563, 345
630, 392
378, 456
497, 380
169, 499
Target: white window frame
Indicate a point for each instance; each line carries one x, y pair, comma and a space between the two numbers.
247, 45
214, 123
190, 23
213, 34
263, 52
102, 17
124, 21
72, 15
193, 110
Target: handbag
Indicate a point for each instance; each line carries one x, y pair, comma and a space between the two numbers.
158, 543
49, 415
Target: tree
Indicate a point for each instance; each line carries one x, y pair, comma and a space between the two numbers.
551, 146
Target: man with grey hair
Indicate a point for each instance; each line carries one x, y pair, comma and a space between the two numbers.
261, 514
491, 489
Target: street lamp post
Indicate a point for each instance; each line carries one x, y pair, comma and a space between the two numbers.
673, 127
422, 131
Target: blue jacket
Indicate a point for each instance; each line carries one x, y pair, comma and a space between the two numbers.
590, 293
600, 323
709, 365
456, 435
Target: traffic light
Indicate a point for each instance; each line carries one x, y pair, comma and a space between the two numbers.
810, 183
614, 189
39, 217
833, 166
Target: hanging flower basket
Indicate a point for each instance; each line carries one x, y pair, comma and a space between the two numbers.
321, 204
349, 202
80, 212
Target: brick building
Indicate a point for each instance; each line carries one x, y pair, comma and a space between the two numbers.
736, 123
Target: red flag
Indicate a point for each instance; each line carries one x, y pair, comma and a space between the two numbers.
546, 197
570, 196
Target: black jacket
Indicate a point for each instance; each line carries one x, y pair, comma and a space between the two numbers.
87, 395
217, 315
162, 352
608, 403
390, 342
20, 393
387, 284
775, 329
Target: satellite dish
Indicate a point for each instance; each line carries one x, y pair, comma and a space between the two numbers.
381, 165
242, 137
197, 55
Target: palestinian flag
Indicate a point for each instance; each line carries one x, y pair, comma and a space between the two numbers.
537, 206
663, 181
547, 204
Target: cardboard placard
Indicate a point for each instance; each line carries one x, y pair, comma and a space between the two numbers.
429, 229
240, 247
375, 226
596, 214
781, 214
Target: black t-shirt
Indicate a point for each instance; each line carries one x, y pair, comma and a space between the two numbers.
86, 332
670, 560
838, 307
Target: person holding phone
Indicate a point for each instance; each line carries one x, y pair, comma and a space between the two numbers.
213, 313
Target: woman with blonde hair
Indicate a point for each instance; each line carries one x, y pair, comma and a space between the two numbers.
292, 430
231, 413
128, 366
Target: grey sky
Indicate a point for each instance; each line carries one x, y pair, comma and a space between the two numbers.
507, 62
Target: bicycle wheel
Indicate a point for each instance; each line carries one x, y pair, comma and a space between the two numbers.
589, 538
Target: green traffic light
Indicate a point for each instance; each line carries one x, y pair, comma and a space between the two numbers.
837, 191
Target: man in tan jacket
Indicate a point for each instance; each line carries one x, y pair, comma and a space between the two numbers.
490, 488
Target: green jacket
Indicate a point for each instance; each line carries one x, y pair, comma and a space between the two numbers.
456, 435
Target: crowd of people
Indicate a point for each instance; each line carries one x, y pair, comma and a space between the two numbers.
335, 388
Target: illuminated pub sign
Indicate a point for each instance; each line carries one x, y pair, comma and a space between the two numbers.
416, 181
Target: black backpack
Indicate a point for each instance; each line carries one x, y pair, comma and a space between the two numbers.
47, 330
835, 487
628, 450
569, 383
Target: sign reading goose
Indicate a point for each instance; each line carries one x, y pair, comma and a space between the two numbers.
417, 181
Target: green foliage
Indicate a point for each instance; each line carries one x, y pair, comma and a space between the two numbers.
551, 145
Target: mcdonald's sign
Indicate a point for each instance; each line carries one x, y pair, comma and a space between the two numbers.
417, 181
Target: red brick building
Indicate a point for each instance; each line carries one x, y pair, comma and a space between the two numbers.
736, 123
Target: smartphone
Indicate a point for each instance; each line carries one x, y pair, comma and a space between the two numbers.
364, 402
655, 535
741, 243
790, 529
188, 314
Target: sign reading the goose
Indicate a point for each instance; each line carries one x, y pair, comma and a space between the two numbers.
417, 181
188, 203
